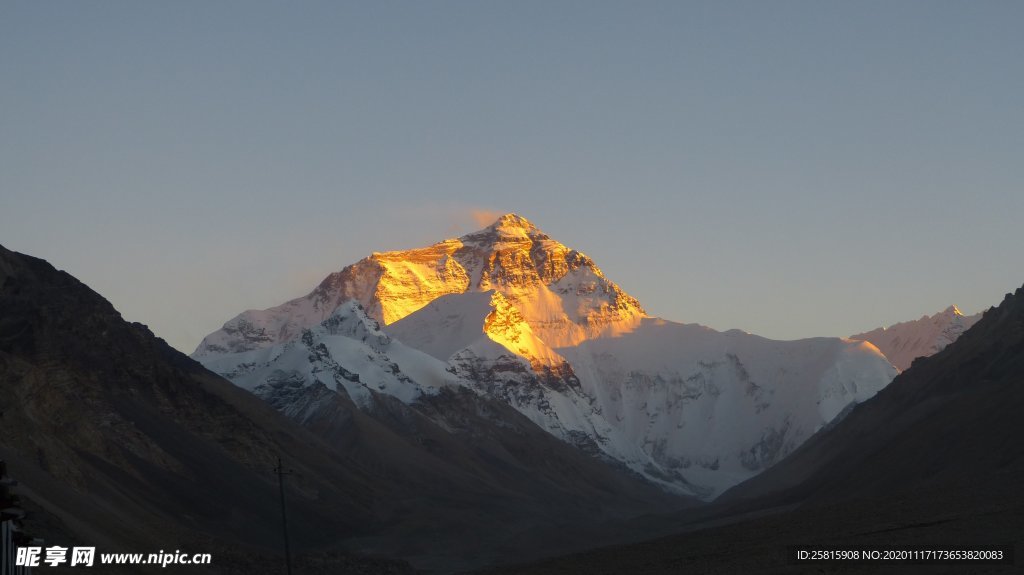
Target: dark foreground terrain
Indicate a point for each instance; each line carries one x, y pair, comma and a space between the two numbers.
759, 544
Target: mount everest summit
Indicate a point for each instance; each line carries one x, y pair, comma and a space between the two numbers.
515, 316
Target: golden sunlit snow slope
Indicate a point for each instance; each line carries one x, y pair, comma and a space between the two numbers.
559, 292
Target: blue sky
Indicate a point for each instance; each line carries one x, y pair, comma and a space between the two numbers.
788, 168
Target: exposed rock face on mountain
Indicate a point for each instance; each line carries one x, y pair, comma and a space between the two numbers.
517, 317
904, 342
562, 295
123, 443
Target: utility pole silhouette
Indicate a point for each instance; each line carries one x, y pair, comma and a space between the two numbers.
279, 470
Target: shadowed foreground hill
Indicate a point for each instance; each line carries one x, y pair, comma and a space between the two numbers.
124, 443
121, 442
935, 458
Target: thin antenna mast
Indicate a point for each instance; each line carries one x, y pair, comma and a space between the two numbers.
279, 470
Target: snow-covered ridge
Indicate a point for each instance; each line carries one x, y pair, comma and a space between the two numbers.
710, 409
904, 342
347, 353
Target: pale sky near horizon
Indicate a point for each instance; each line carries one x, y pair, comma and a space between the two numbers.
790, 168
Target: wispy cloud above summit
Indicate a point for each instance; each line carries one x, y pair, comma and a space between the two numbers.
462, 220
455, 219
483, 218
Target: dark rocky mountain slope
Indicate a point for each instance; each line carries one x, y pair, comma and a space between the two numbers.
124, 443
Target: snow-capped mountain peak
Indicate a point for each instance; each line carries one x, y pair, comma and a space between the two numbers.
904, 342
507, 227
560, 292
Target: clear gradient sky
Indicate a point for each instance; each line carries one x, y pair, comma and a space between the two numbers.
788, 168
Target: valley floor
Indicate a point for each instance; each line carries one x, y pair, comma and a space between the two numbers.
950, 516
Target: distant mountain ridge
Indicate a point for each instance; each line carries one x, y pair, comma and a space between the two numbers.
904, 342
518, 317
